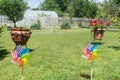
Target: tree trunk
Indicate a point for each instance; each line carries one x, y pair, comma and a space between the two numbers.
14, 23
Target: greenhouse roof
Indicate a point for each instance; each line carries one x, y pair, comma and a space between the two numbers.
36, 13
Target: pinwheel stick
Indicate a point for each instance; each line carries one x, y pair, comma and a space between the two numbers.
22, 73
91, 71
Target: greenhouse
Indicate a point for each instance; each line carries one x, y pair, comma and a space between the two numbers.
47, 18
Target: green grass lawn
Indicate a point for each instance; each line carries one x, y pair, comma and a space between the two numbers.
59, 56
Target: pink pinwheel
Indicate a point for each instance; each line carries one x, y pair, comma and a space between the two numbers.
15, 57
86, 52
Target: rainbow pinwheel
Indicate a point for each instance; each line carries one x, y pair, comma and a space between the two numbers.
91, 52
20, 55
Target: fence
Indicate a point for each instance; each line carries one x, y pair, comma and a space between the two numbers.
55, 22
49, 22
79, 21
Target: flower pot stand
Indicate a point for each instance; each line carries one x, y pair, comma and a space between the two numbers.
20, 36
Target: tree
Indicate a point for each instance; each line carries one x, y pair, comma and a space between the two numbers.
59, 6
85, 8
76, 8
13, 9
92, 9
118, 5
108, 9
117, 1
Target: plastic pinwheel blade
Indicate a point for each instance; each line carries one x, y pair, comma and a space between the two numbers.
15, 60
13, 54
95, 47
18, 50
21, 63
86, 53
24, 51
91, 47
95, 56
84, 50
96, 51
91, 58
26, 56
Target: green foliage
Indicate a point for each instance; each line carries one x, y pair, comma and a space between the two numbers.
92, 10
76, 8
84, 8
70, 9
117, 1
2, 28
65, 25
13, 9
36, 25
116, 23
48, 5
108, 9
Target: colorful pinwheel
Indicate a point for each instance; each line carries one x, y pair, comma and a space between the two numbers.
91, 52
20, 55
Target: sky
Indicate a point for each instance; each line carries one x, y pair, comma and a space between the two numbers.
35, 3
99, 0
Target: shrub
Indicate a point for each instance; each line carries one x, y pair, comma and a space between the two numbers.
65, 25
79, 24
36, 25
2, 28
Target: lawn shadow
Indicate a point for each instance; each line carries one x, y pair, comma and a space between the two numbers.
86, 76
114, 47
3, 53
100, 43
31, 50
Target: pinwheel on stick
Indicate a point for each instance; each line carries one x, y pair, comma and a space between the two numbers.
91, 52
20, 56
